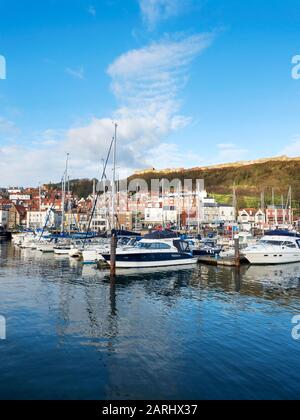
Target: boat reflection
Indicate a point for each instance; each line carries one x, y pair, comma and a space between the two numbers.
285, 277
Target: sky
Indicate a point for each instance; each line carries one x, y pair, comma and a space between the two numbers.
190, 83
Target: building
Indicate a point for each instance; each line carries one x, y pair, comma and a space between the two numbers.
227, 213
100, 220
276, 215
4, 218
252, 216
19, 198
36, 219
125, 220
16, 217
154, 215
82, 219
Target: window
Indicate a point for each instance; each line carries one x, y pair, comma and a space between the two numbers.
154, 245
271, 243
289, 244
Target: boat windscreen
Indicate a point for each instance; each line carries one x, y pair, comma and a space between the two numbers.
182, 246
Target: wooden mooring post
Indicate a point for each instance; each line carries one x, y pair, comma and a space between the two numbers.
113, 251
237, 251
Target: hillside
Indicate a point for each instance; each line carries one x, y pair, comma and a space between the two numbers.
80, 187
249, 178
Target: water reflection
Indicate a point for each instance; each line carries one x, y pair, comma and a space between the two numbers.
150, 333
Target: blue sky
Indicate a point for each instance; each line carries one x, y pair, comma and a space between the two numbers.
191, 83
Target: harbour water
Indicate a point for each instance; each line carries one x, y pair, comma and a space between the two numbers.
192, 333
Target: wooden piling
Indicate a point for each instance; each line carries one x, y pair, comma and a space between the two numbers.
113, 251
237, 251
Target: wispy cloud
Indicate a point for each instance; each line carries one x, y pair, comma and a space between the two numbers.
155, 11
151, 77
76, 73
7, 127
230, 152
292, 149
92, 10
146, 83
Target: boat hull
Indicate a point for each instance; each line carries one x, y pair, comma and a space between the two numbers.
61, 251
75, 253
258, 258
151, 260
92, 256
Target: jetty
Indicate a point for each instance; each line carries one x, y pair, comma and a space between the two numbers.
228, 262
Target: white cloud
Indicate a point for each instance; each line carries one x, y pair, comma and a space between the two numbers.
229, 152
7, 127
167, 155
76, 73
150, 78
155, 11
146, 83
293, 149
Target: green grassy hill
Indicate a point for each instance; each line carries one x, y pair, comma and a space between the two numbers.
249, 179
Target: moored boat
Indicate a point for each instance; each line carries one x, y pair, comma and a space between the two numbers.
275, 247
155, 250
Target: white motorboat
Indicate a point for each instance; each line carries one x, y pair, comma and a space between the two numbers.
46, 247
154, 251
63, 247
92, 254
276, 247
87, 250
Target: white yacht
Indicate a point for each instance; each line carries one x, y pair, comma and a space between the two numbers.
84, 248
63, 247
46, 246
154, 251
276, 247
93, 253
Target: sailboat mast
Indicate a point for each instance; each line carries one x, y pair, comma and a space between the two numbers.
64, 194
69, 206
198, 206
62, 204
114, 179
40, 205
234, 202
291, 207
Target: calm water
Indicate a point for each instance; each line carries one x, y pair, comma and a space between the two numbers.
194, 333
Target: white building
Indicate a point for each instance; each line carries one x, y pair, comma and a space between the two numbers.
252, 217
100, 220
211, 212
39, 219
15, 198
227, 214
154, 215
170, 216
15, 190
4, 218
